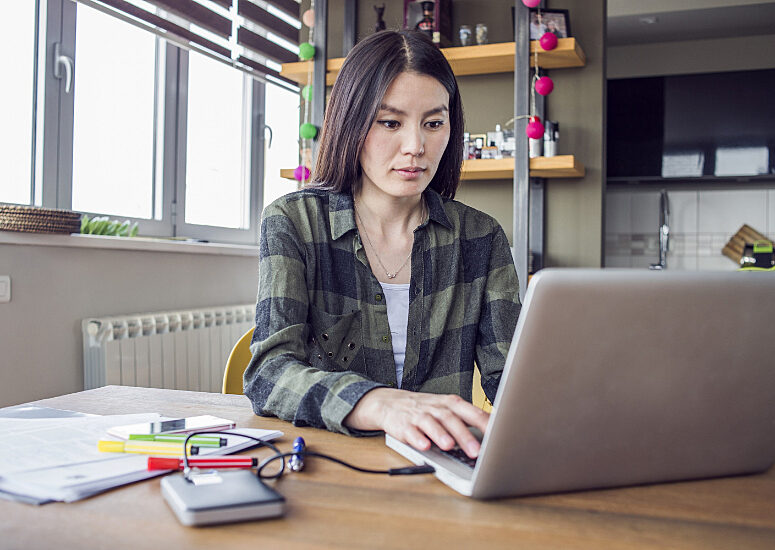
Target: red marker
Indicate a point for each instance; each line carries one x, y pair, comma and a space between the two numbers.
161, 463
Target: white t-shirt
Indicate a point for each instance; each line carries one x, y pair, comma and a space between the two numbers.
397, 300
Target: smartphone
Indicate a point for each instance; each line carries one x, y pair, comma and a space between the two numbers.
173, 426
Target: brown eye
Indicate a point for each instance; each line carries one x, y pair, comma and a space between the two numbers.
389, 124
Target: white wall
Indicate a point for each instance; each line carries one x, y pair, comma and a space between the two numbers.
621, 8
693, 56
54, 286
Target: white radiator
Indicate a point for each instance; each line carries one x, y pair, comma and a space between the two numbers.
184, 350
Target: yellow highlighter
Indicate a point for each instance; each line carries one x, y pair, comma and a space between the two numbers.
155, 448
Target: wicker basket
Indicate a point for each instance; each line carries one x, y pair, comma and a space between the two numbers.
32, 219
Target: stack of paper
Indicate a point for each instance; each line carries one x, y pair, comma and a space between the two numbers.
50, 459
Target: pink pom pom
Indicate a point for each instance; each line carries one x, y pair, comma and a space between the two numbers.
303, 173
548, 41
544, 85
308, 18
534, 128
531, 3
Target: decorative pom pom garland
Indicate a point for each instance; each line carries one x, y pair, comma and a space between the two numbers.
548, 41
544, 85
540, 84
534, 130
307, 130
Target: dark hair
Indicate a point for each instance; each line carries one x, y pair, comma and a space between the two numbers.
366, 74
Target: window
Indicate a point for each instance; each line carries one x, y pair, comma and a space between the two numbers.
17, 38
113, 128
116, 120
217, 149
282, 116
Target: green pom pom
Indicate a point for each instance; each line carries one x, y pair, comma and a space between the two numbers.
306, 51
308, 131
306, 92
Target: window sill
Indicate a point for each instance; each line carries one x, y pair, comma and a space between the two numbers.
125, 243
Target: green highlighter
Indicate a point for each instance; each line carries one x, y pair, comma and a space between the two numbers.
198, 440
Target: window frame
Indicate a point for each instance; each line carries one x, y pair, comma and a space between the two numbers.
248, 235
52, 164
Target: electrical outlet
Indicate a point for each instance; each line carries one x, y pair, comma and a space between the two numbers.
5, 289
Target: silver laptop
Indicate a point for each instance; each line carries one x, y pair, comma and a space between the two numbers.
625, 377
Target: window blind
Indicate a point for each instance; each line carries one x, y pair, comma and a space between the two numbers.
255, 36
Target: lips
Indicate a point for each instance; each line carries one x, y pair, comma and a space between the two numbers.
409, 173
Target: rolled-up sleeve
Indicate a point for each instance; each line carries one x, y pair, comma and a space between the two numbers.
279, 380
500, 309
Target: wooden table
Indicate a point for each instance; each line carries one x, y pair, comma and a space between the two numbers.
332, 507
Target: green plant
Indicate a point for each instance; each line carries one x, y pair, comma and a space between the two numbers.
102, 225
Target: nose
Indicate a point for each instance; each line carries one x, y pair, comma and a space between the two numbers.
412, 142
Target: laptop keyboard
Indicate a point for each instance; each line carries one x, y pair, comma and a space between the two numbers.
458, 454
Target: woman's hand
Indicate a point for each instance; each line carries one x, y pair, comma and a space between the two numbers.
419, 418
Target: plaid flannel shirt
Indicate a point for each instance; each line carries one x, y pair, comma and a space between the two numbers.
322, 338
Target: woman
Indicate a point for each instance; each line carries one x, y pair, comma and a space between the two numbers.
377, 291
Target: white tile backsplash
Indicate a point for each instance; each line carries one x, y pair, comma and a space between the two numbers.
681, 261
716, 263
618, 261
618, 213
645, 212
701, 223
771, 212
726, 211
643, 262
683, 211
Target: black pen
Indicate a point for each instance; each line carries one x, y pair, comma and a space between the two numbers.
296, 462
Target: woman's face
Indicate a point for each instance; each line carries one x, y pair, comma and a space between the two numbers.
408, 137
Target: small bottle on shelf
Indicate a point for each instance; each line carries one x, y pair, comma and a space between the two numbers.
478, 146
551, 137
535, 147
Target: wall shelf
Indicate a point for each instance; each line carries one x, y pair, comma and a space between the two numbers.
468, 60
561, 166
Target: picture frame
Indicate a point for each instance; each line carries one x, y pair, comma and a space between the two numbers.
547, 20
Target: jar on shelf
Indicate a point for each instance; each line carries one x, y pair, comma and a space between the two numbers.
466, 35
481, 34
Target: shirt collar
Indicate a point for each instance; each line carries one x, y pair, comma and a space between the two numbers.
341, 211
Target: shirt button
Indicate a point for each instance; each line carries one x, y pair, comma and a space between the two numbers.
386, 338
324, 336
351, 345
378, 297
330, 353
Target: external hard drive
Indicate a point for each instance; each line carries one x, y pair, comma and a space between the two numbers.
221, 497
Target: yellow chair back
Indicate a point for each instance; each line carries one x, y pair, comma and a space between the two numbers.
236, 364
478, 398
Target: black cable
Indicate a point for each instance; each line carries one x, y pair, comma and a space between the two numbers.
408, 470
261, 443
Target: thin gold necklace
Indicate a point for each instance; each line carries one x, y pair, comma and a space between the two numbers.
376, 254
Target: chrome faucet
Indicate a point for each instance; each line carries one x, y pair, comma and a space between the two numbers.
664, 231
